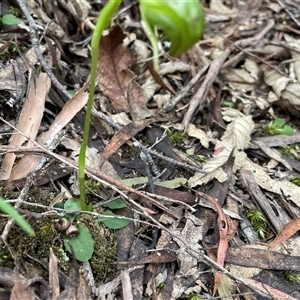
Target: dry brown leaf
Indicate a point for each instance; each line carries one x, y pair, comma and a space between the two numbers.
284, 88
292, 93
114, 76
266, 182
121, 137
71, 108
151, 86
137, 112
52, 27
274, 293
286, 232
159, 79
53, 276
7, 73
216, 5
29, 120
21, 290
294, 43
223, 242
277, 81
243, 78
236, 137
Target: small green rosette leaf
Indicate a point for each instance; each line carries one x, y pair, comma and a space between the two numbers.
182, 22
83, 244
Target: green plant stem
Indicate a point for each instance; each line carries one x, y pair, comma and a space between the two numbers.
103, 21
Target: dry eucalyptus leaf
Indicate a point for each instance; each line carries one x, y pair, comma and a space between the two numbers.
289, 189
142, 53
204, 137
161, 100
173, 67
28, 162
192, 233
29, 120
236, 137
151, 86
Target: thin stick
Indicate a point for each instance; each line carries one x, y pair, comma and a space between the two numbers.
34, 28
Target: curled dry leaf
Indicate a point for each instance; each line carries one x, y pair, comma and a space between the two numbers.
242, 78
235, 138
114, 77
266, 182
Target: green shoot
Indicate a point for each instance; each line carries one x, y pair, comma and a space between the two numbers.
175, 136
292, 276
194, 296
295, 180
200, 158
278, 126
291, 150
258, 221
10, 19
103, 21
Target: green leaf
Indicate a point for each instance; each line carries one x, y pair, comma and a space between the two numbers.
8, 209
10, 19
286, 130
72, 204
113, 223
90, 207
82, 244
116, 204
72, 92
279, 122
182, 22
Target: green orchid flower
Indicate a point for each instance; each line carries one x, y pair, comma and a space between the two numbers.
182, 22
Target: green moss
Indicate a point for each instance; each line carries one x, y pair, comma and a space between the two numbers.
92, 186
102, 261
175, 136
293, 276
258, 221
104, 257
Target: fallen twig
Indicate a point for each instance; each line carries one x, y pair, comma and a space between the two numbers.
33, 30
214, 69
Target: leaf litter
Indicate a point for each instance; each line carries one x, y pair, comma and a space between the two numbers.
185, 226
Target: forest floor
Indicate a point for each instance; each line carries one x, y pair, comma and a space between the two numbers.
193, 172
